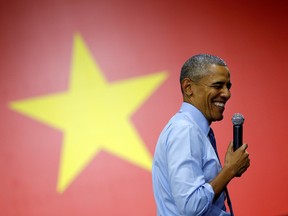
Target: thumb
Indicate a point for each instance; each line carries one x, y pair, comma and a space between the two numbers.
244, 146
230, 147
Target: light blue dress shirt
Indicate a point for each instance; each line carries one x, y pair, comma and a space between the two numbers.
184, 163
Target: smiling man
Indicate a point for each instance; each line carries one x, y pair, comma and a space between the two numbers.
187, 176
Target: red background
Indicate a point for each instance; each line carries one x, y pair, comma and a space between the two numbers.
128, 39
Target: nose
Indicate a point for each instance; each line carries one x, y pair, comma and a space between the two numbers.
225, 93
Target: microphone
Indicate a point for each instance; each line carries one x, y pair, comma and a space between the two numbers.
237, 120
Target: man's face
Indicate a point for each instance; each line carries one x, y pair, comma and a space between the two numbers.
212, 92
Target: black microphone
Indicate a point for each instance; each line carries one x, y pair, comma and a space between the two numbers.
237, 120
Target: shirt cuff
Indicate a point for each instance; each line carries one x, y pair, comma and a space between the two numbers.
210, 192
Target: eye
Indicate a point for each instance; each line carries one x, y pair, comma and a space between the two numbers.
229, 85
217, 86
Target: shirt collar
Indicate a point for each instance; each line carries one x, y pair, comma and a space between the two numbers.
196, 115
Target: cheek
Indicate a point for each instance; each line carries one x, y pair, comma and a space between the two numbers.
209, 100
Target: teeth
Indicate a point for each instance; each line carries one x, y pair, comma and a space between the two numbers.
219, 104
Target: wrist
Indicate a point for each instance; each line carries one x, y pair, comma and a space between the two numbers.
228, 172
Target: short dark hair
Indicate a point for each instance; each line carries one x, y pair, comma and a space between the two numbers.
197, 66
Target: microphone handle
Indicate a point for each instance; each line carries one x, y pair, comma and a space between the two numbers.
237, 136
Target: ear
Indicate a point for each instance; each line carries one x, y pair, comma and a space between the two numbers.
186, 86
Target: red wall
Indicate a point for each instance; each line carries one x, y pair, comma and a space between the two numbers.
129, 39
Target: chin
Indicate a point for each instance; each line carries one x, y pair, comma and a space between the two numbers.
219, 118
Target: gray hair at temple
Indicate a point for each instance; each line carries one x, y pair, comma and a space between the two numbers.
197, 66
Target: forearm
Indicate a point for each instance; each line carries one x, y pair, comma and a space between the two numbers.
221, 180
235, 164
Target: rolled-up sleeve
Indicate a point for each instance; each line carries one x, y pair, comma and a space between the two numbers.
192, 194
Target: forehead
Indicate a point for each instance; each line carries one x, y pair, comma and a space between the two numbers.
217, 73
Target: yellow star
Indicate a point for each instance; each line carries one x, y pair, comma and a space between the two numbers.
94, 115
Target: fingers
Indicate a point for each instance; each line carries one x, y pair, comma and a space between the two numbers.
243, 148
239, 158
243, 169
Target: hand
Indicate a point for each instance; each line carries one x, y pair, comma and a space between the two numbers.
238, 161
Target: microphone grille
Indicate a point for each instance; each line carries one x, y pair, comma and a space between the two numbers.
238, 119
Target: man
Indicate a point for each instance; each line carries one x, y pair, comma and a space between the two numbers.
187, 175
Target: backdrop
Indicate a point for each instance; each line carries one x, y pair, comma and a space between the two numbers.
87, 86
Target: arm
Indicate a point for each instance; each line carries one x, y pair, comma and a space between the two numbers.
185, 153
236, 163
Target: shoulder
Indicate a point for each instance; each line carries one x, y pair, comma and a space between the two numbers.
182, 122
181, 129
